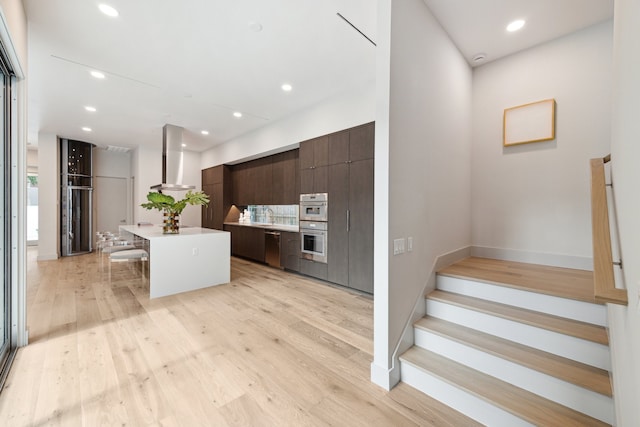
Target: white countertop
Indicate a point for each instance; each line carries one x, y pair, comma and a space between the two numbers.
155, 231
278, 227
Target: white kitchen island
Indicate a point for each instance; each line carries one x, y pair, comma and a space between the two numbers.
193, 259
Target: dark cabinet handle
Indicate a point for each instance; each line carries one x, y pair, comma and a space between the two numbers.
348, 220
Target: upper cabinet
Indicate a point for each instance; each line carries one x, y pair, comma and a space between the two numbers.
318, 154
314, 153
285, 188
271, 180
352, 145
314, 159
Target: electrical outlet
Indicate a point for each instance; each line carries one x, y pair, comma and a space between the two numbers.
194, 251
409, 244
398, 246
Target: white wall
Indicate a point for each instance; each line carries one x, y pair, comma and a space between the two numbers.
112, 164
624, 322
48, 197
533, 200
429, 149
350, 109
147, 171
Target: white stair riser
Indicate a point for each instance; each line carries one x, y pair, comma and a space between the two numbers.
458, 399
567, 308
552, 342
567, 394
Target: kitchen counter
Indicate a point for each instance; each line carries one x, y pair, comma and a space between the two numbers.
193, 259
276, 227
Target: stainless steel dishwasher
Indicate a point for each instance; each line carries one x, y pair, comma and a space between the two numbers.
272, 248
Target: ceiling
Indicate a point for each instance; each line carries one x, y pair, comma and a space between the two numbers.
194, 63
478, 26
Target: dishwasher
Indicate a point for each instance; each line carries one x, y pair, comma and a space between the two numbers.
272, 248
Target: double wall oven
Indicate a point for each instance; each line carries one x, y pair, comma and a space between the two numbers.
314, 226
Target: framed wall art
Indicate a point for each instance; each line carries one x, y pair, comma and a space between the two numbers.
534, 122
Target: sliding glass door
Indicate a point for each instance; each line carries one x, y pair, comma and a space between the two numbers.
5, 225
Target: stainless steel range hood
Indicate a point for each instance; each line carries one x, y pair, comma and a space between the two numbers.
172, 160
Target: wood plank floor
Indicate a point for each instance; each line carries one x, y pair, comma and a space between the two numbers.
556, 281
270, 348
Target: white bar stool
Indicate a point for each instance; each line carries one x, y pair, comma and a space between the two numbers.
129, 255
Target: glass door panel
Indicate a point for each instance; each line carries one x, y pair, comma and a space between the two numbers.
5, 299
32, 209
79, 220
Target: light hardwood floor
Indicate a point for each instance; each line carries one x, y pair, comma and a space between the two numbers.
268, 349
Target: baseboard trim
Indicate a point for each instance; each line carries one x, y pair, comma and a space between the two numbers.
385, 378
47, 257
542, 258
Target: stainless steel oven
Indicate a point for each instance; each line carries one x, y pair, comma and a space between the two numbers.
313, 207
313, 240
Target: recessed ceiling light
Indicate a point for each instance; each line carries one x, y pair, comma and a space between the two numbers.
237, 114
184, 145
108, 10
515, 25
256, 27
86, 129
287, 87
205, 132
90, 108
98, 74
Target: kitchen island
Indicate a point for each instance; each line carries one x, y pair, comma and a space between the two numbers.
193, 259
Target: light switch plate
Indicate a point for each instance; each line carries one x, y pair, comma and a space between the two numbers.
398, 246
409, 244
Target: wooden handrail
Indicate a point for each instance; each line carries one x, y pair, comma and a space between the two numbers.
603, 280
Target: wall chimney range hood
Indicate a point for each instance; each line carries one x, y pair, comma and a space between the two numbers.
172, 160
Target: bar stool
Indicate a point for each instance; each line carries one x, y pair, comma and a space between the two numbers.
111, 246
129, 255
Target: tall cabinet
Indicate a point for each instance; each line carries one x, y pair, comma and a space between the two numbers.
216, 183
341, 164
350, 185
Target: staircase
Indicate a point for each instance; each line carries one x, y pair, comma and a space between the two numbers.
514, 344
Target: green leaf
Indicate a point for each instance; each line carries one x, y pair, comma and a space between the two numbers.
166, 203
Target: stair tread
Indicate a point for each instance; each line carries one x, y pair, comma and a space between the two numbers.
557, 281
580, 374
583, 330
521, 403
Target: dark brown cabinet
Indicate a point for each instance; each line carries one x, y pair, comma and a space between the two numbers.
247, 242
314, 152
290, 250
361, 225
314, 269
350, 188
314, 180
271, 180
285, 184
243, 189
216, 183
361, 146
314, 159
